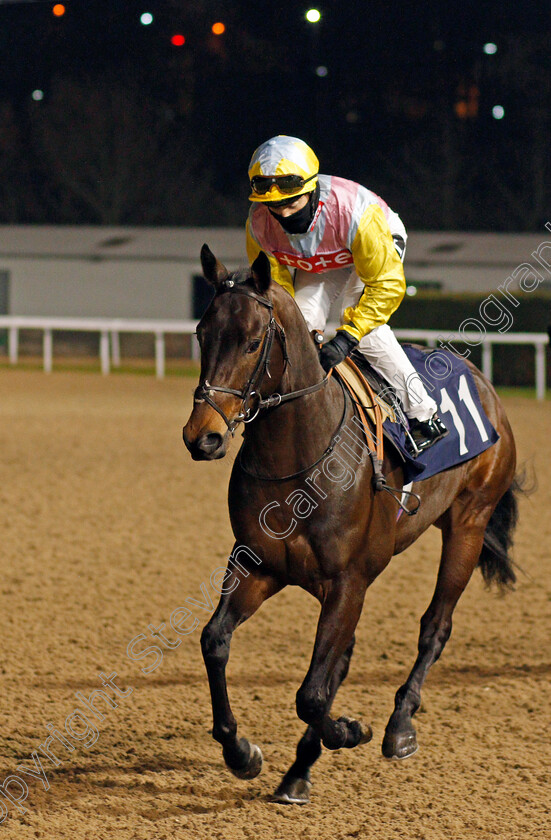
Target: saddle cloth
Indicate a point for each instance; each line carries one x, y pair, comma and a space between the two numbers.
450, 383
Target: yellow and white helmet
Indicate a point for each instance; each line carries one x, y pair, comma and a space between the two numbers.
281, 168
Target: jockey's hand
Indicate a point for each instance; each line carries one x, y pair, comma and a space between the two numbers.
337, 350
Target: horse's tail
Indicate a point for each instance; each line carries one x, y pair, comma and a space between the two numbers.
495, 562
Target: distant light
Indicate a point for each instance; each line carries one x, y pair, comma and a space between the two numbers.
313, 15
411, 291
146, 18
352, 117
498, 112
59, 10
218, 28
322, 71
37, 95
461, 109
490, 49
177, 40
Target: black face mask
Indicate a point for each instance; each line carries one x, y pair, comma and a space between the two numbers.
300, 221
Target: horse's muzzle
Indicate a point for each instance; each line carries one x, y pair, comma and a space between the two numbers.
208, 447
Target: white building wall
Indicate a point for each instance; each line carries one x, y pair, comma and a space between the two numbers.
147, 272
85, 289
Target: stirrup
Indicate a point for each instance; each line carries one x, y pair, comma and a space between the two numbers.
423, 434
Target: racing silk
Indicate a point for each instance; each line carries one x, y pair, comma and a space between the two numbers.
351, 227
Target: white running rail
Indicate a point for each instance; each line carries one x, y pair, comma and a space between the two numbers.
110, 328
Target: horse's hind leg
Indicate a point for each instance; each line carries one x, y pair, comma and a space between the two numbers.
461, 549
243, 758
295, 785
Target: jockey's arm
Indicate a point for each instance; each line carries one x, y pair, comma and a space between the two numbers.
378, 265
279, 272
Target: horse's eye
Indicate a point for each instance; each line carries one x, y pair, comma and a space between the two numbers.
253, 346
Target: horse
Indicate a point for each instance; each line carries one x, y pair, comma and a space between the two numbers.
260, 367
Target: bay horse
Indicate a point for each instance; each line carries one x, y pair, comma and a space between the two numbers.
260, 366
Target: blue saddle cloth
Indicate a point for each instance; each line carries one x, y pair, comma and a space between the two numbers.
451, 385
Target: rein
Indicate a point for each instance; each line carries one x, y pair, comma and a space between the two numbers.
332, 443
203, 392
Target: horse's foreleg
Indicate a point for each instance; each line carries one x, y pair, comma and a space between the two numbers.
295, 785
460, 555
243, 758
341, 608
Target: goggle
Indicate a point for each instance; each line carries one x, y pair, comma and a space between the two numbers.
286, 184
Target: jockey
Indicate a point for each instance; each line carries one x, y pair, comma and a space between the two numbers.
325, 236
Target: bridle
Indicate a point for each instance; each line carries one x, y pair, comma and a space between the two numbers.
262, 368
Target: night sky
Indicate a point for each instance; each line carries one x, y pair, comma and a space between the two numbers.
400, 86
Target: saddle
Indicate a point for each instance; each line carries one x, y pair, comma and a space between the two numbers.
368, 387
366, 401
453, 388
359, 374
371, 390
373, 409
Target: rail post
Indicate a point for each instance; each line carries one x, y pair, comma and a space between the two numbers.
540, 371
47, 350
13, 345
104, 352
160, 355
487, 366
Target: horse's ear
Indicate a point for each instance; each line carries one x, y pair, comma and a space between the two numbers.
213, 269
261, 273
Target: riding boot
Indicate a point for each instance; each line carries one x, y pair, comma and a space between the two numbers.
424, 434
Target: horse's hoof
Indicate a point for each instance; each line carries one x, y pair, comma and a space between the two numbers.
367, 733
253, 766
361, 733
293, 792
399, 745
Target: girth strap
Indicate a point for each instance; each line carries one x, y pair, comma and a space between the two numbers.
375, 448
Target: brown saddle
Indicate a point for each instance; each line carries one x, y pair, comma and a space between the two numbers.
372, 410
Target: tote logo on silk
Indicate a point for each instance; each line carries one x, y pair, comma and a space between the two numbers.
317, 263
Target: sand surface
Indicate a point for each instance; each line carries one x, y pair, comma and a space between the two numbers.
107, 526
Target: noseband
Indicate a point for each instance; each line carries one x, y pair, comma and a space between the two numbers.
251, 388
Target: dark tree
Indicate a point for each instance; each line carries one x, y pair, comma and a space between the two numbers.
113, 155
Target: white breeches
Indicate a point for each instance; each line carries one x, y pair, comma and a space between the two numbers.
314, 295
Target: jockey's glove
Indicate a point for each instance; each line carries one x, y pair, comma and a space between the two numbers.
337, 350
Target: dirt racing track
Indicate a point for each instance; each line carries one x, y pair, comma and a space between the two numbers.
109, 530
